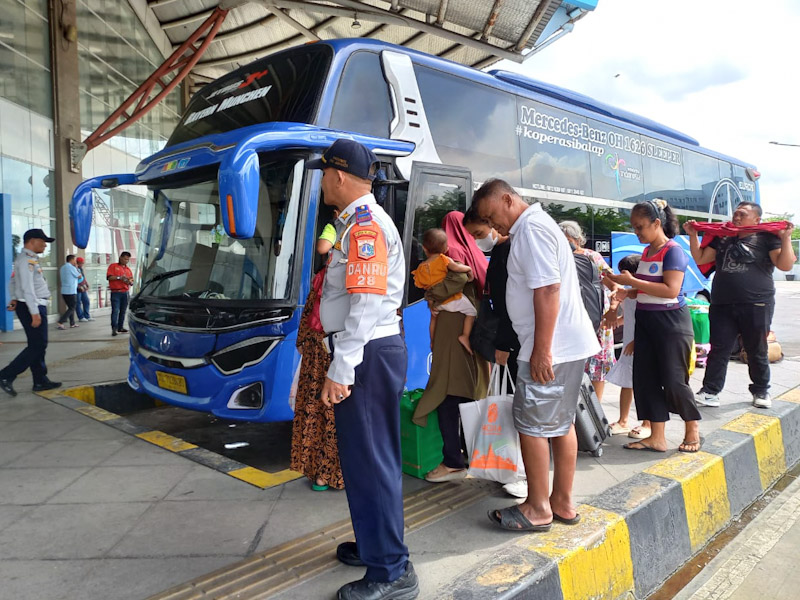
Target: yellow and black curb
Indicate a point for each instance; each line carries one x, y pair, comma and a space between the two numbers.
102, 402
632, 537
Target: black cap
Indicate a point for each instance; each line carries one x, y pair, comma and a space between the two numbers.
348, 156
36, 234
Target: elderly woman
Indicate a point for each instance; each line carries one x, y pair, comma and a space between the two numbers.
599, 365
456, 375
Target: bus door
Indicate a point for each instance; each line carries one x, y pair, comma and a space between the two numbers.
433, 191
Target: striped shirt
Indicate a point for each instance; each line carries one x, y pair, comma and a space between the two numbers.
671, 257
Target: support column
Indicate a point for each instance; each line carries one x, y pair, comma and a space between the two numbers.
6, 262
66, 121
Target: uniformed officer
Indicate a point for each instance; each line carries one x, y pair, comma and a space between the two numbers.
29, 290
362, 293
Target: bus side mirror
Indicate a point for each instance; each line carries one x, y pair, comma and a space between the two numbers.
80, 215
82, 206
239, 179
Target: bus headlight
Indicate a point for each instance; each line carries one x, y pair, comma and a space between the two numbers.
236, 357
247, 397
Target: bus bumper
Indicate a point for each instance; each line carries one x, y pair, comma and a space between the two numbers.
209, 390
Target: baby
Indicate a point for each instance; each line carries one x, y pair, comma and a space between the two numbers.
433, 271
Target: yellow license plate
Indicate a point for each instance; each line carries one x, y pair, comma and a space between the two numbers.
168, 381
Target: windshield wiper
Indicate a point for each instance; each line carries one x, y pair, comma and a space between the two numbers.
159, 277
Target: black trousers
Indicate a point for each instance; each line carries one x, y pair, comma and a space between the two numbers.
32, 356
450, 427
661, 365
727, 321
72, 301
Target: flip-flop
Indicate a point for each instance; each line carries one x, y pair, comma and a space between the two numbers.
512, 519
644, 448
617, 429
699, 444
573, 521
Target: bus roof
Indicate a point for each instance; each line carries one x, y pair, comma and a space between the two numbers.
549, 94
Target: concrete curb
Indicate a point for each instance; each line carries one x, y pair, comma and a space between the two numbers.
632, 537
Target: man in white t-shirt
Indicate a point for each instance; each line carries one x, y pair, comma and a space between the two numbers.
556, 337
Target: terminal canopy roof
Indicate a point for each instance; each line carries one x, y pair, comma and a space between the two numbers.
471, 32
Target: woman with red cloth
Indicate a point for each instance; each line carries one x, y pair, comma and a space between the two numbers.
456, 375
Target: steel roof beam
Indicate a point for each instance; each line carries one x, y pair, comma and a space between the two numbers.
442, 12
537, 17
278, 12
422, 26
491, 20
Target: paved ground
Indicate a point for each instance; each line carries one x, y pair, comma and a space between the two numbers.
89, 512
761, 562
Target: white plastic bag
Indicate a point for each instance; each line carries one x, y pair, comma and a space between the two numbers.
295, 380
492, 441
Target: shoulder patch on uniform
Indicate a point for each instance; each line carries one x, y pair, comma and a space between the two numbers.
363, 215
367, 262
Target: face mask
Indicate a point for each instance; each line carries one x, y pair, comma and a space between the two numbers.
486, 244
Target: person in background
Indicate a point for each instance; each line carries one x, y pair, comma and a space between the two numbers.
556, 337
361, 296
599, 365
621, 374
742, 299
83, 303
314, 452
30, 298
433, 271
506, 343
120, 279
664, 335
70, 276
456, 376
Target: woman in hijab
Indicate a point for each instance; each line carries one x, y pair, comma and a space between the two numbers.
456, 376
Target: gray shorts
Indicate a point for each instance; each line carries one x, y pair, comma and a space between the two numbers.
547, 410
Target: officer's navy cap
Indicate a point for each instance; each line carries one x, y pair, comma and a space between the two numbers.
348, 156
36, 234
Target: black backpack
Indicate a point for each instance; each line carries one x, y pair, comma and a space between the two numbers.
591, 288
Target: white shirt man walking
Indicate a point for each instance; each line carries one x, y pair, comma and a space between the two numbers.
556, 337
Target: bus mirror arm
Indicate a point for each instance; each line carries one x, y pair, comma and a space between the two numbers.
81, 208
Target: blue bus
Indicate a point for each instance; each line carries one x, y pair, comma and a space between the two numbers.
226, 252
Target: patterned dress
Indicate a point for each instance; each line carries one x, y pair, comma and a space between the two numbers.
315, 453
600, 364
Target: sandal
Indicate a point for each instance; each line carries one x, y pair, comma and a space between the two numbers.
639, 433
617, 429
512, 519
684, 445
642, 447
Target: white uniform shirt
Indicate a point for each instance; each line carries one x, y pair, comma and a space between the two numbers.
540, 256
357, 318
28, 285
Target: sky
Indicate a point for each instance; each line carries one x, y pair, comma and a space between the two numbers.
724, 72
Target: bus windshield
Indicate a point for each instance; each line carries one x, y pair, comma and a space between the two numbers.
282, 87
185, 253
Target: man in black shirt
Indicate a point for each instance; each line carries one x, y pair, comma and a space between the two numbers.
742, 299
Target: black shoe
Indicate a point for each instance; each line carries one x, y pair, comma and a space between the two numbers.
123, 330
347, 552
47, 385
405, 587
113, 332
9, 389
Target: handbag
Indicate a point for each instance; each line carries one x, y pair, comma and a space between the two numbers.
492, 440
484, 330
